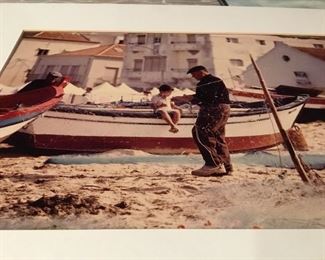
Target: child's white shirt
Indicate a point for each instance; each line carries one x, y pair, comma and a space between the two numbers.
157, 100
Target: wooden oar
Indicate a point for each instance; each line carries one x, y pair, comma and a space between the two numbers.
285, 137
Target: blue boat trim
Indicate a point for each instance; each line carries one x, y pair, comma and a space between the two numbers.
18, 119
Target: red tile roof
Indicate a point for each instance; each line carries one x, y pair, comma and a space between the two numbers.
63, 36
112, 50
316, 52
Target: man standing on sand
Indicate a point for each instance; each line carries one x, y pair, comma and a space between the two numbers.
209, 130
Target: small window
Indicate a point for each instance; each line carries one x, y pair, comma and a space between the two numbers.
302, 78
157, 39
286, 58
74, 70
318, 46
42, 52
49, 68
155, 63
232, 40
191, 38
261, 42
300, 74
65, 69
137, 65
141, 39
236, 62
191, 63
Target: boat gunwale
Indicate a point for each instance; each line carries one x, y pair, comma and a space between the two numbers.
127, 112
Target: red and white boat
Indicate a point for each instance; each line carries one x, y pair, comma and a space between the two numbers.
89, 128
313, 110
19, 109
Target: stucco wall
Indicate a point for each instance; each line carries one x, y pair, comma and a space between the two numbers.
24, 57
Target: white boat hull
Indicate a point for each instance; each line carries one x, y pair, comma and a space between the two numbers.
66, 131
5, 132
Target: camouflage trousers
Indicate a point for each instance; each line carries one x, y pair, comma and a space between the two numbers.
209, 134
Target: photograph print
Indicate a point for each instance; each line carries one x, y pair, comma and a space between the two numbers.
167, 130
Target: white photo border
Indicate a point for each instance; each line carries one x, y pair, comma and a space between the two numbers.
158, 244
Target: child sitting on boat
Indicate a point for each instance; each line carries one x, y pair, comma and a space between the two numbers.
163, 105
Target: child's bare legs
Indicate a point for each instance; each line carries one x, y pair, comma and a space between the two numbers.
169, 120
176, 116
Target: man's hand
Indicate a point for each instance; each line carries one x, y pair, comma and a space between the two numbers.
183, 99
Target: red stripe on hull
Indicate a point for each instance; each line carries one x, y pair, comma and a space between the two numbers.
151, 145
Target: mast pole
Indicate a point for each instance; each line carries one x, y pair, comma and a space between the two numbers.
285, 137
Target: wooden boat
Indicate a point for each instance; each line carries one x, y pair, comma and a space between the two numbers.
19, 109
314, 108
69, 128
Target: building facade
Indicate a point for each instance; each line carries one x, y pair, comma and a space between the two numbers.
153, 59
290, 66
85, 68
31, 46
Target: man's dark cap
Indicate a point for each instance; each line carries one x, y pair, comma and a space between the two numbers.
196, 68
165, 87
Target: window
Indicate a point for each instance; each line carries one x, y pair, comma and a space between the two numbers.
42, 52
156, 63
302, 78
137, 65
74, 73
191, 38
300, 74
191, 63
286, 58
232, 40
236, 62
141, 39
155, 50
261, 42
48, 69
64, 69
318, 46
157, 38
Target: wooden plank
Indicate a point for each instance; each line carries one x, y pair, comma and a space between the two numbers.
286, 139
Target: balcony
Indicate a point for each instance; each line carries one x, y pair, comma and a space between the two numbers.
153, 76
130, 73
185, 46
179, 73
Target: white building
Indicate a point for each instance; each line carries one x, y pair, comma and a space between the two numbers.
290, 66
152, 59
33, 45
85, 68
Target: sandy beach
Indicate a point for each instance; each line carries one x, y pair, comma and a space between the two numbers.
39, 195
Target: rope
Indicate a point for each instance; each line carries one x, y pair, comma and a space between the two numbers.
274, 132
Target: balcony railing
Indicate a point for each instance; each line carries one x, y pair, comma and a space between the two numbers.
133, 73
185, 46
153, 76
178, 73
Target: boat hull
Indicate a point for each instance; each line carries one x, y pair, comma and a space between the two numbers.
313, 110
93, 132
153, 145
6, 131
18, 110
